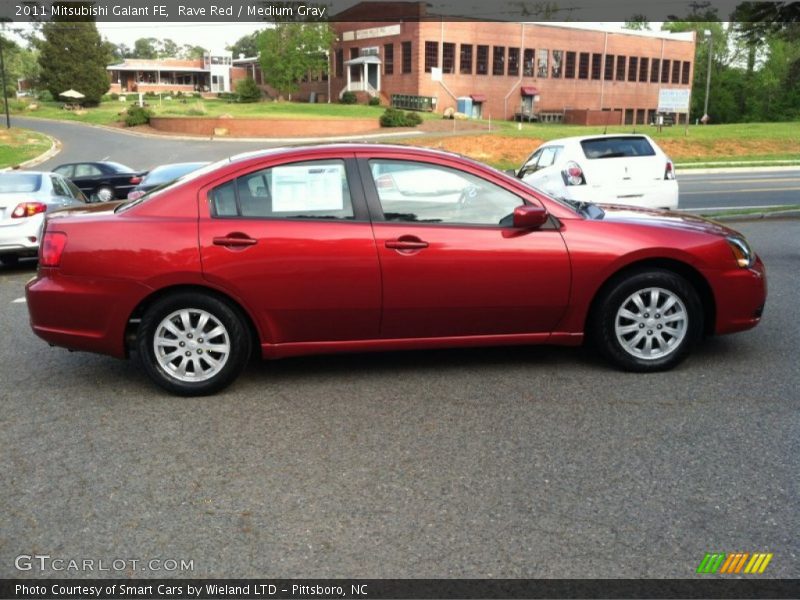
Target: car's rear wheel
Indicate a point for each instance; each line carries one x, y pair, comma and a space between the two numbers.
648, 320
193, 344
9, 260
103, 194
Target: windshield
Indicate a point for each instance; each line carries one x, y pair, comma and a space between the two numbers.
169, 184
19, 183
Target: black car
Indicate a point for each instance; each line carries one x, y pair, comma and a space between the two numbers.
101, 181
161, 175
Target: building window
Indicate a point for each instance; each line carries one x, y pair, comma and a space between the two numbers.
676, 71
388, 59
431, 55
499, 60
609, 70
665, 71
527, 62
466, 59
643, 64
597, 63
558, 59
583, 66
406, 57
633, 68
569, 66
620, 68
513, 61
354, 53
339, 58
685, 75
483, 60
448, 57
541, 67
654, 70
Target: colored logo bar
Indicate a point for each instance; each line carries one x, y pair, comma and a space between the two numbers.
734, 563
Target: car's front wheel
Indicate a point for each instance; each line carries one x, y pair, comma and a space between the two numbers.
103, 194
193, 344
648, 320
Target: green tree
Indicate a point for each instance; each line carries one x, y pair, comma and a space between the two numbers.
290, 51
145, 48
192, 52
247, 45
637, 22
20, 63
168, 49
72, 55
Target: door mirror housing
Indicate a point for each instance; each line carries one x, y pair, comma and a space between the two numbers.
528, 216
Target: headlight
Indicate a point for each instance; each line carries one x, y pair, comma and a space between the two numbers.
741, 252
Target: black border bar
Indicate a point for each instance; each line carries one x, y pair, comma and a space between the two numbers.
411, 589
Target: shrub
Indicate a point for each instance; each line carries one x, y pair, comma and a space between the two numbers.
393, 117
137, 115
374, 101
349, 98
248, 90
114, 96
45, 96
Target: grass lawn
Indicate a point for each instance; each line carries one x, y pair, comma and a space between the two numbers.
508, 145
18, 145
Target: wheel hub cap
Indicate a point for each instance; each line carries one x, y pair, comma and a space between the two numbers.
651, 323
191, 345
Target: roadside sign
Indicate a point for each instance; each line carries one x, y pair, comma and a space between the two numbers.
673, 100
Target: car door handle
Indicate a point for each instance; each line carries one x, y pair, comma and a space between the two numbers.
235, 240
406, 244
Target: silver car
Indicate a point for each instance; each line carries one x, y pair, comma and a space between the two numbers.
25, 197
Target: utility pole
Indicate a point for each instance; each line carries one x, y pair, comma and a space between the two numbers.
708, 74
3, 82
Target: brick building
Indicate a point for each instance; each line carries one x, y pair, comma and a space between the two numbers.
502, 70
215, 72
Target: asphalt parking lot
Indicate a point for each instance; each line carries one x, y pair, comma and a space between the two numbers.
513, 462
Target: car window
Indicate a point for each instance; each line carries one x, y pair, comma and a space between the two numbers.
616, 147
59, 188
86, 170
75, 192
311, 190
16, 183
426, 193
548, 156
65, 170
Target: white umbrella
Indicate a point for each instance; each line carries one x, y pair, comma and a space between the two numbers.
72, 94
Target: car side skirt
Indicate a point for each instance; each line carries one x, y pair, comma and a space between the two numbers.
286, 350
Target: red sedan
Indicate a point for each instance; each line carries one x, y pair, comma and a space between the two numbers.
346, 248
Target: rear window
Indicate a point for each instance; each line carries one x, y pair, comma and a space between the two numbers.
616, 147
19, 183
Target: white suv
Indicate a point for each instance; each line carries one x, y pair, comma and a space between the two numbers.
606, 169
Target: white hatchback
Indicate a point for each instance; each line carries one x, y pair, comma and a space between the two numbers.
604, 169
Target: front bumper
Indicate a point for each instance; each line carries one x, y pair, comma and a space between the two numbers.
740, 297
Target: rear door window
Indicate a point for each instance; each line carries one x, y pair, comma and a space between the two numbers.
617, 147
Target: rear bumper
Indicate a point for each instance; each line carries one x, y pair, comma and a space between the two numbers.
82, 313
663, 195
740, 297
21, 236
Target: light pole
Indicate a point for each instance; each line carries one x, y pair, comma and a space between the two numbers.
708, 75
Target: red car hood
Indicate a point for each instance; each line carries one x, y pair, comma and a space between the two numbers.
664, 218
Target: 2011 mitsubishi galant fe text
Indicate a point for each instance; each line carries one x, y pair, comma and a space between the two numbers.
343, 248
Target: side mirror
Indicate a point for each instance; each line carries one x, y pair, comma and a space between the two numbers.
528, 216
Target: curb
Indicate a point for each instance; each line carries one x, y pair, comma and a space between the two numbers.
55, 148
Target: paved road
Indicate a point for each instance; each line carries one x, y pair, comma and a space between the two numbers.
515, 462
85, 143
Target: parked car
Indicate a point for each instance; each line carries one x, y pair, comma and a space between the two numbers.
300, 250
101, 181
161, 175
25, 197
607, 169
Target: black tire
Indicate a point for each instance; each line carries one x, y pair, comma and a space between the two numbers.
166, 373
675, 332
9, 260
104, 194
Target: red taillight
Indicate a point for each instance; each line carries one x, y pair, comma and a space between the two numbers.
28, 209
134, 194
136, 180
52, 248
573, 174
669, 171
